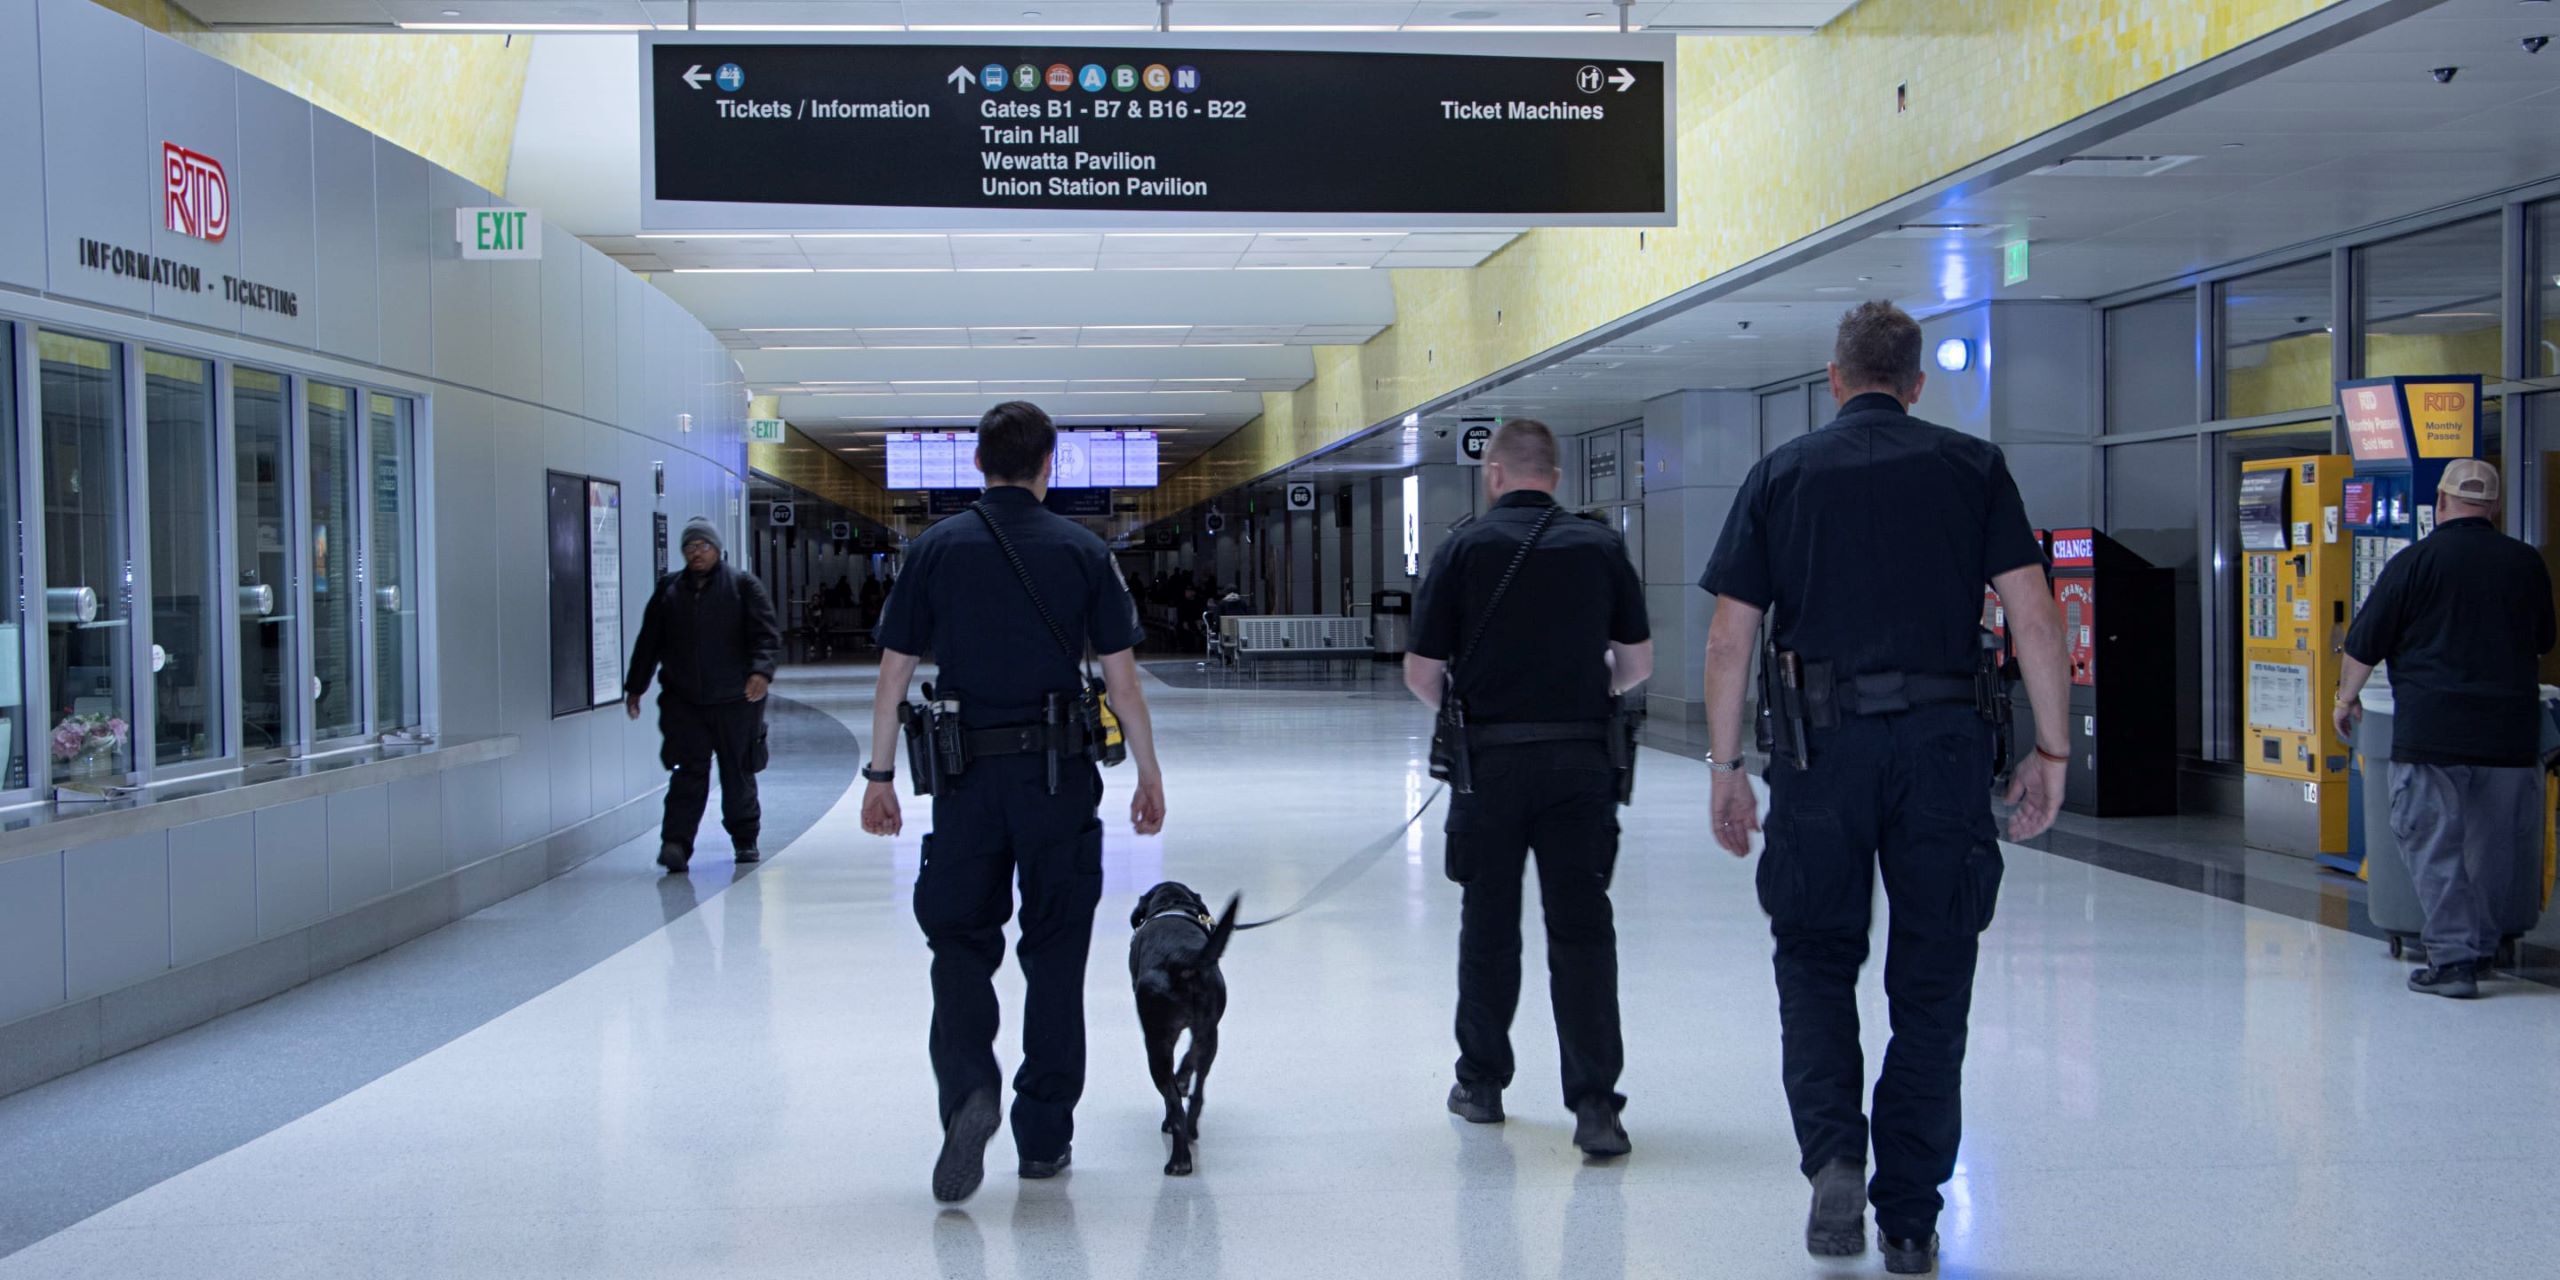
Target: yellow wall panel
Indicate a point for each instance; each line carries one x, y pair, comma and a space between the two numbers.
1780, 136
814, 469
450, 98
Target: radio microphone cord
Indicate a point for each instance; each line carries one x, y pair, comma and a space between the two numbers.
1353, 866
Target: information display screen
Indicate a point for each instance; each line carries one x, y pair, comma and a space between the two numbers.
1576, 133
1086, 460
2263, 506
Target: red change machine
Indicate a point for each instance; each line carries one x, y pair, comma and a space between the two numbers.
2124, 676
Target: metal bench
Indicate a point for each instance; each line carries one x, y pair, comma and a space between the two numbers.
1253, 637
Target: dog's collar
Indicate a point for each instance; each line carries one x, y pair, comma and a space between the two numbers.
1199, 918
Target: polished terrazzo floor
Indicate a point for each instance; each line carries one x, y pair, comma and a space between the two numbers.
2163, 1082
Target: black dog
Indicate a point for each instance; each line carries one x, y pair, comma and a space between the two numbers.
1173, 963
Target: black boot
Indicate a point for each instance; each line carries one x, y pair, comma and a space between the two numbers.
1909, 1257
674, 857
1837, 1225
1037, 1170
964, 1148
1475, 1105
1597, 1131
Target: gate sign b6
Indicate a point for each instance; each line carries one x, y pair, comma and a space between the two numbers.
1302, 496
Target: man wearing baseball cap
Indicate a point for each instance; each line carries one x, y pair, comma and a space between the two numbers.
2463, 617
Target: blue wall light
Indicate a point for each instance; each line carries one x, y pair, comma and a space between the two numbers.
1955, 355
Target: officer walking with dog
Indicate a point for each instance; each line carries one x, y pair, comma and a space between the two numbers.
1870, 542
1010, 600
1530, 625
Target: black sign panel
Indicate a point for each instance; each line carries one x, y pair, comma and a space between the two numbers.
811, 133
1080, 502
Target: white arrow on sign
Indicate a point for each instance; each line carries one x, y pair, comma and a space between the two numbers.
1624, 79
961, 78
693, 79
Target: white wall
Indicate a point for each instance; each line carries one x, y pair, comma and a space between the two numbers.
569, 363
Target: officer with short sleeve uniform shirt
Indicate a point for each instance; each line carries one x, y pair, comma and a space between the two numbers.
1870, 541
1538, 688
961, 601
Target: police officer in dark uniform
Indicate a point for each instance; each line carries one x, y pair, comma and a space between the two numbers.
1017, 810
1537, 673
1870, 541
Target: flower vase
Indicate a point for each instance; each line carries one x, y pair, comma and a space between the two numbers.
93, 763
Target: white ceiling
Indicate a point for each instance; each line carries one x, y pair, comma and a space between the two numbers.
1526, 17
2355, 136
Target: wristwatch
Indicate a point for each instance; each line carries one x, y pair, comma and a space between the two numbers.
1718, 766
870, 774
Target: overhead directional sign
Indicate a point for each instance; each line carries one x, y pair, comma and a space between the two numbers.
805, 133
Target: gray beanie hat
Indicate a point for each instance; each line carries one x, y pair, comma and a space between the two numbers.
700, 529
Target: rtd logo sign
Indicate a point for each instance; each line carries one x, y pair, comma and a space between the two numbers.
196, 196
2444, 401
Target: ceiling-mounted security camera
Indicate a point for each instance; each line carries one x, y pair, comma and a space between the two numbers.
2534, 44
2445, 75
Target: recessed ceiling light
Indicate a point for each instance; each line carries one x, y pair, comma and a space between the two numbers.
450, 13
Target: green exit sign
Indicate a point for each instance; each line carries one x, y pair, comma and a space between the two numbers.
764, 430
2013, 263
499, 233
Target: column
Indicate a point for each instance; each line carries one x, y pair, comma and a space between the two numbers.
1698, 445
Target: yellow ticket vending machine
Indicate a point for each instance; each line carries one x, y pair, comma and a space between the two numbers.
2295, 557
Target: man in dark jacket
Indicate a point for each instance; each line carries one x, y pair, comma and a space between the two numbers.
709, 635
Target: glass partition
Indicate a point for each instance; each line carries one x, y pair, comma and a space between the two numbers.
186, 653
88, 567
2430, 302
262, 529
2543, 360
2151, 364
14, 722
2275, 341
336, 692
392, 557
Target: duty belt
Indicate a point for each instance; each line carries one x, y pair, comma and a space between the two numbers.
1887, 692
1025, 740
1522, 733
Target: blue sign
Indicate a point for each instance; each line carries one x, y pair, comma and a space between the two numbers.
993, 77
730, 78
1093, 79
1186, 79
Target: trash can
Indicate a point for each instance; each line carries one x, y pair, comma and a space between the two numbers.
1390, 624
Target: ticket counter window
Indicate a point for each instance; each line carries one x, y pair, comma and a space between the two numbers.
88, 581
14, 720
186, 617
336, 696
393, 557
262, 447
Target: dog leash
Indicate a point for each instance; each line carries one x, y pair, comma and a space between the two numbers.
1353, 866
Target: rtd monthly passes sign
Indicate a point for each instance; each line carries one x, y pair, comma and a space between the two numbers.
814, 134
